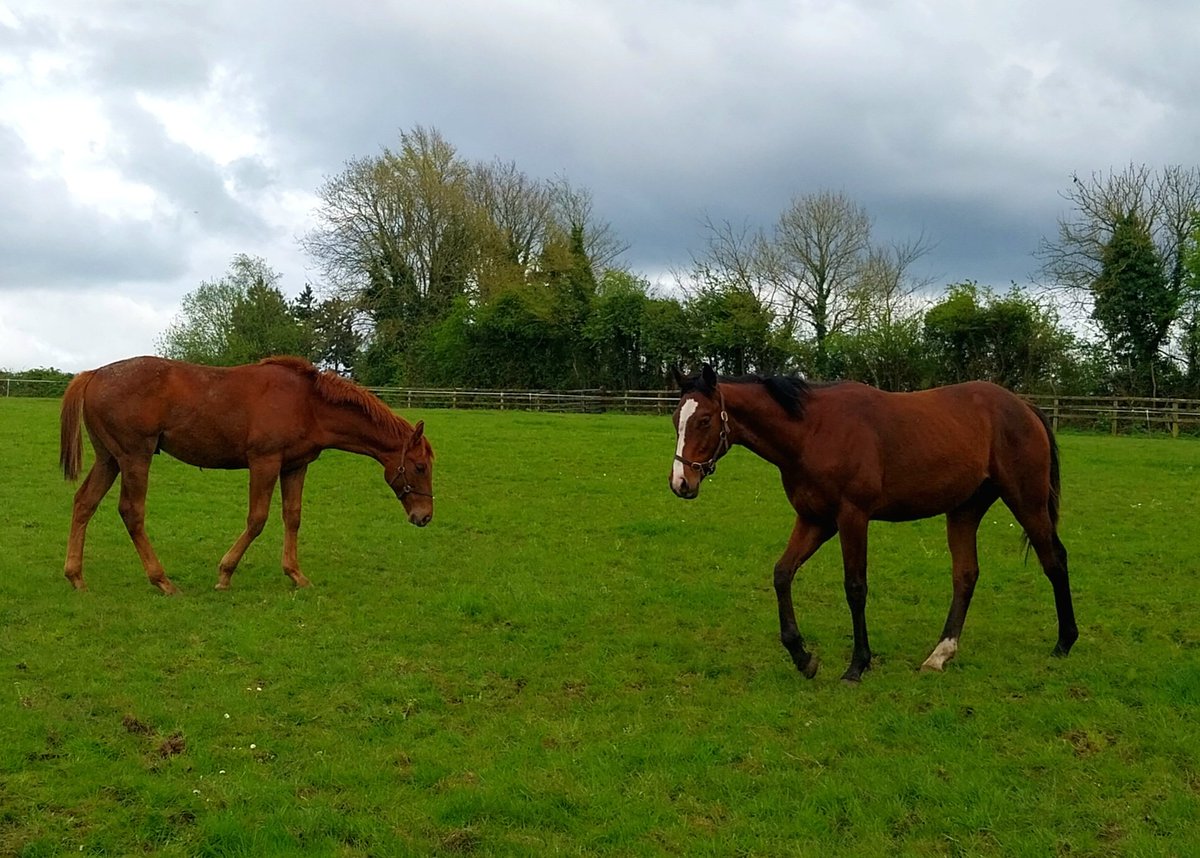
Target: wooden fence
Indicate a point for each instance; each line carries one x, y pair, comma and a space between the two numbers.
1115, 414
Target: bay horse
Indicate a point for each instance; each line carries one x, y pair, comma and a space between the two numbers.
273, 418
850, 454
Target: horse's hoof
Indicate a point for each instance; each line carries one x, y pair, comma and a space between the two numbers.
810, 670
853, 675
222, 585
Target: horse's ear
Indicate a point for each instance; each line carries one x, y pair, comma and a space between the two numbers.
679, 377
708, 376
418, 430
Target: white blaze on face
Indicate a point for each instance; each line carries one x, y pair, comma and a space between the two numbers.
686, 410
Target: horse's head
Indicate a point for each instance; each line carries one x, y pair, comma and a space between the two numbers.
702, 431
410, 475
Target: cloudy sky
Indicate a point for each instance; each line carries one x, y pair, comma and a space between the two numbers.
143, 144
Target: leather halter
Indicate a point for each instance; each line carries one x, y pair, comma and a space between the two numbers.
709, 467
407, 488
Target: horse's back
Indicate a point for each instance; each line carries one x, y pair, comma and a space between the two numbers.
923, 453
203, 415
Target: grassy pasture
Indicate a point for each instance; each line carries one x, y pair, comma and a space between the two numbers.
571, 660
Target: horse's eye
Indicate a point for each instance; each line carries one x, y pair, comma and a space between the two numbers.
420, 468
705, 422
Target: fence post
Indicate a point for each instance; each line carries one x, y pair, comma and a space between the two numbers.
1054, 415
1114, 416
1175, 419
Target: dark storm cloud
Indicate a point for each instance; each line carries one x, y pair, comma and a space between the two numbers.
956, 122
965, 132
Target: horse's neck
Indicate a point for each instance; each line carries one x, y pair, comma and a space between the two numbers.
760, 424
351, 429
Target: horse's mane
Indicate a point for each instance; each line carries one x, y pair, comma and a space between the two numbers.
789, 391
337, 390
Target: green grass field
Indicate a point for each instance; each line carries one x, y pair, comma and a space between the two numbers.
571, 660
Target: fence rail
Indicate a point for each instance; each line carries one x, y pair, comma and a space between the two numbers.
1115, 414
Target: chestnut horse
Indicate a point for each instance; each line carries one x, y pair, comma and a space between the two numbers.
850, 454
273, 417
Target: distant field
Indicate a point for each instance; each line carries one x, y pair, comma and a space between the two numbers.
569, 659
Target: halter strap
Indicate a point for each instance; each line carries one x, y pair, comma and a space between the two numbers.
407, 488
709, 466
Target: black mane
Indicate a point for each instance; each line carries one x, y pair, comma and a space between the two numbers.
789, 391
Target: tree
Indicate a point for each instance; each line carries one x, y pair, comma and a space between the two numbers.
574, 209
200, 331
1134, 302
261, 323
240, 318
818, 270
735, 333
616, 330
1010, 339
888, 353
333, 340
519, 218
399, 234
1165, 202
1189, 335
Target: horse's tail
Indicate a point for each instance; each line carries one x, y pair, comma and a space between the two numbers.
70, 450
1052, 502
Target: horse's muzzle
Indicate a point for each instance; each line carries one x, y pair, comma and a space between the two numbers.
684, 490
420, 519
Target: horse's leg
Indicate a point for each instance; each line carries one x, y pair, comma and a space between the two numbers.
95, 486
852, 528
1052, 554
806, 538
962, 525
135, 471
263, 475
291, 487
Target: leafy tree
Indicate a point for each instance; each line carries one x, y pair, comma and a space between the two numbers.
888, 353
200, 332
262, 324
518, 221
515, 341
238, 319
1189, 335
668, 340
39, 381
1165, 201
305, 305
400, 235
1134, 303
735, 333
334, 341
1011, 340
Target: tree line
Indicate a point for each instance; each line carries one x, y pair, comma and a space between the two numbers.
441, 272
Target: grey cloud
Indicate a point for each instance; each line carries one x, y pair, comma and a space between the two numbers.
961, 123
49, 240
189, 180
